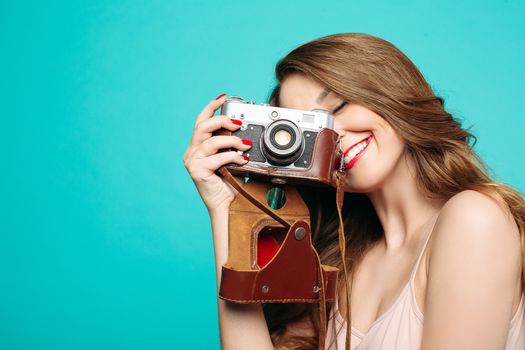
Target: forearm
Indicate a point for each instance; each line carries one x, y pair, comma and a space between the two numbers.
241, 326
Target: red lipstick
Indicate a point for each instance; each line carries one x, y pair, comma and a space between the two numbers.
352, 162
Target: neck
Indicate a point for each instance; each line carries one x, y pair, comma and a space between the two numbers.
402, 207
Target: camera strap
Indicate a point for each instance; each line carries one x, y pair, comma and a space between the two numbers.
342, 250
231, 180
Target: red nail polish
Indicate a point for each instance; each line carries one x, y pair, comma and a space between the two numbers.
246, 157
236, 121
247, 142
219, 96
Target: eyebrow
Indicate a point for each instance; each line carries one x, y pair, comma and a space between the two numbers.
323, 95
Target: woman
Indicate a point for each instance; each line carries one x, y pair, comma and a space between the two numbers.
435, 248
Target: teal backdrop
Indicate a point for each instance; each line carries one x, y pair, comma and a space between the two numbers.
104, 242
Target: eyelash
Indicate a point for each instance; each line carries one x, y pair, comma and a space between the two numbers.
338, 108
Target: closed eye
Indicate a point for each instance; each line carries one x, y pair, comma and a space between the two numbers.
339, 107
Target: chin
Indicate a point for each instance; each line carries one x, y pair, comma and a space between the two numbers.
362, 183
370, 175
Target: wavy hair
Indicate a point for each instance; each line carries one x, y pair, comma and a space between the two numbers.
373, 73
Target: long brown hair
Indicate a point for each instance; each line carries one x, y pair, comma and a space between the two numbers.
373, 73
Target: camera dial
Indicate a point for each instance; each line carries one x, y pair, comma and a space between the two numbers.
234, 99
274, 115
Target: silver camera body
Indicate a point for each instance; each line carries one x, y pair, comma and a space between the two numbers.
281, 137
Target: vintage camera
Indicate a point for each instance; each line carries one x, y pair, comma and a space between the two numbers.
288, 145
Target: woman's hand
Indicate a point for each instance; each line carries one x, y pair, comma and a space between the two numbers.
202, 158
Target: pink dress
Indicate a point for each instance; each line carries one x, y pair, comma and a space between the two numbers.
401, 326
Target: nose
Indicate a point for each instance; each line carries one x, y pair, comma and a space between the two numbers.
338, 129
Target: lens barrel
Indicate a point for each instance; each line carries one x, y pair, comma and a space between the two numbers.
282, 142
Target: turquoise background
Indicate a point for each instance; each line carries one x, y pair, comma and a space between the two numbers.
104, 242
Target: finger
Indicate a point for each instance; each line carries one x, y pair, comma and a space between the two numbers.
214, 144
210, 108
215, 161
204, 129
204, 167
215, 123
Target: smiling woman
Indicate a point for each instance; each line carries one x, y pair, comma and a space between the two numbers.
434, 247
411, 173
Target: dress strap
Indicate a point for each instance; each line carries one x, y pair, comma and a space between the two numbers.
431, 223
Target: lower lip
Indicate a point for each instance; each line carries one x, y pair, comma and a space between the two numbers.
354, 160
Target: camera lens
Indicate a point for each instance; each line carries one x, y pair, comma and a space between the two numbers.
282, 137
282, 142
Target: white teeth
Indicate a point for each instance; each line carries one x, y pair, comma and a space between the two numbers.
354, 151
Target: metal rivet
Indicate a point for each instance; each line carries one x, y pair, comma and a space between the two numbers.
316, 289
300, 233
278, 181
265, 289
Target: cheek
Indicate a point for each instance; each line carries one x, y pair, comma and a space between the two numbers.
394, 147
353, 122
386, 149
389, 154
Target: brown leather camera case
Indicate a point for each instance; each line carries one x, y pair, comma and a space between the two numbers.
293, 273
324, 162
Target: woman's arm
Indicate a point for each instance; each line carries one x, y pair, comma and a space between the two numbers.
241, 326
474, 267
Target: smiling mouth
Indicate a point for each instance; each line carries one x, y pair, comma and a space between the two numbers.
354, 152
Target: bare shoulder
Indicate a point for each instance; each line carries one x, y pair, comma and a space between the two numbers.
472, 217
474, 269
471, 221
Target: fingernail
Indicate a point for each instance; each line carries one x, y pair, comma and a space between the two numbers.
246, 158
236, 121
247, 142
219, 96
